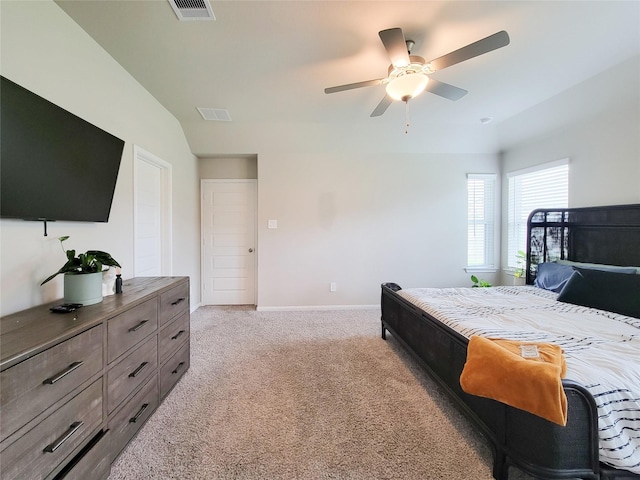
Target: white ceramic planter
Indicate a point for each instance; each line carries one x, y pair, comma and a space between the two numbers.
84, 288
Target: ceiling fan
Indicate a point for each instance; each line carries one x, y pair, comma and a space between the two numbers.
409, 75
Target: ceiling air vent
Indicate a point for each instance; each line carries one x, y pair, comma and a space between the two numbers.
192, 9
217, 114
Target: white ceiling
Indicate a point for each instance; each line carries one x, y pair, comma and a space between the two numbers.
269, 61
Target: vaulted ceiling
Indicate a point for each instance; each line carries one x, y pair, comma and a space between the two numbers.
269, 61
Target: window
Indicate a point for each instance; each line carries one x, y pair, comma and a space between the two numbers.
544, 186
481, 202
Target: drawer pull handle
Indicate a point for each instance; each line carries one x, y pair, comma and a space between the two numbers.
175, 337
63, 373
138, 326
177, 368
135, 418
52, 447
181, 299
139, 369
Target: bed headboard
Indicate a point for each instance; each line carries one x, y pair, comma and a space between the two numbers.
608, 235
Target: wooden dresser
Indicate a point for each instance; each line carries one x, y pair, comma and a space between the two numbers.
76, 387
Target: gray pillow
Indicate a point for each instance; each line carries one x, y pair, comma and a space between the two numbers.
600, 266
552, 276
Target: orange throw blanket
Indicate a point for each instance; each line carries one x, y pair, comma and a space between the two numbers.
497, 369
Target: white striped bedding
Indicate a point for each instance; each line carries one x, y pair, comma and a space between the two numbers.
602, 349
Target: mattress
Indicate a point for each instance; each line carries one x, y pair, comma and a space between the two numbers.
602, 349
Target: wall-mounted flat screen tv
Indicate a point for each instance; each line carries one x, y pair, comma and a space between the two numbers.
53, 164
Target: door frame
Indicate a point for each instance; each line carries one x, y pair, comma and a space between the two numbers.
166, 203
255, 231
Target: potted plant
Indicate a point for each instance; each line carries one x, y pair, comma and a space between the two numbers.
519, 271
83, 274
477, 282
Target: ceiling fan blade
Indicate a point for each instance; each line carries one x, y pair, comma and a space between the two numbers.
492, 42
382, 106
350, 86
394, 42
445, 90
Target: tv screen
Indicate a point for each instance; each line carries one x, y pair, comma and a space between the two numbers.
53, 164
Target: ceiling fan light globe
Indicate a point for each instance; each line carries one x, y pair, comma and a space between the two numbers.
407, 86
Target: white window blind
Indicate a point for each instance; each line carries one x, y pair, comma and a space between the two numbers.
544, 186
481, 211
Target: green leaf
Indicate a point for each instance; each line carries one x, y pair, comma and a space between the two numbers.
104, 258
72, 265
89, 262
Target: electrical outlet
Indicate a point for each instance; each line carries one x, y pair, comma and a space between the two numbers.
333, 287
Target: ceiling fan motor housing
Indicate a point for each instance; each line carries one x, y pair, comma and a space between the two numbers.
417, 65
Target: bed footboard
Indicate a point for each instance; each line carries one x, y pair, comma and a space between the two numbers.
518, 438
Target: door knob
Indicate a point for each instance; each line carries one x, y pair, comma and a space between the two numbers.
251, 250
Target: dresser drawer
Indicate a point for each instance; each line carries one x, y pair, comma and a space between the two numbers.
49, 443
172, 336
124, 425
175, 367
174, 302
32, 386
127, 375
94, 462
130, 327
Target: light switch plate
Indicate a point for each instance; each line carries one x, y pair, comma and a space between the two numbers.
273, 224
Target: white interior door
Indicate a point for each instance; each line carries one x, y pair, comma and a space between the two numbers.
229, 242
152, 215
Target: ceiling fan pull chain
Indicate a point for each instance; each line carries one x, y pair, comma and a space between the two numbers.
406, 116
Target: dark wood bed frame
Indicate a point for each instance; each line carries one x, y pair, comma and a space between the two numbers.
606, 235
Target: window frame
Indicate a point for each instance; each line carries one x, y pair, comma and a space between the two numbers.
516, 218
489, 221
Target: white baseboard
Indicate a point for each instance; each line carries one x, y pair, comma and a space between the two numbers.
317, 307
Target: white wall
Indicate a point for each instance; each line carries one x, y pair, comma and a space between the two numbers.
234, 167
46, 52
603, 144
360, 220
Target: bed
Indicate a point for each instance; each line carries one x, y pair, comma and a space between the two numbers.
422, 321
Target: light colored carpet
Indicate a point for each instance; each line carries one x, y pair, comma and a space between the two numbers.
302, 395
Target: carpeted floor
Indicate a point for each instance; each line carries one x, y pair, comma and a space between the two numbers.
302, 395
